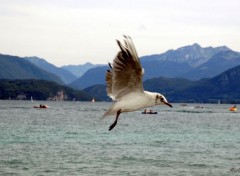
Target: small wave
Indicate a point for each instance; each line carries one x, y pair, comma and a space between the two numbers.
232, 158
72, 133
159, 143
194, 111
201, 165
48, 171
129, 158
14, 162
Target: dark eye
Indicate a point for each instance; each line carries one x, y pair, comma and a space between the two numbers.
161, 99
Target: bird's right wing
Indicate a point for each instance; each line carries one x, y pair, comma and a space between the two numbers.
126, 72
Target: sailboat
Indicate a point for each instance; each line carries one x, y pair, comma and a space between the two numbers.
31, 99
93, 100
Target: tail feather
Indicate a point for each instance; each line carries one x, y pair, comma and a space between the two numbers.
109, 112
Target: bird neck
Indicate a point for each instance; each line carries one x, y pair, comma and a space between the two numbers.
151, 96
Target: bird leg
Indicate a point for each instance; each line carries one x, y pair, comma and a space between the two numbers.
115, 122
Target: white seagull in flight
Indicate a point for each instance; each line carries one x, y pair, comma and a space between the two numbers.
124, 83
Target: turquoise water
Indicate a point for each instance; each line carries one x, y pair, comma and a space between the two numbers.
68, 139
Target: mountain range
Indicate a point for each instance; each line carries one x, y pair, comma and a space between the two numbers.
191, 62
14, 67
65, 75
91, 77
186, 69
224, 87
79, 70
216, 64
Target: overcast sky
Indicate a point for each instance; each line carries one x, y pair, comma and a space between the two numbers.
77, 31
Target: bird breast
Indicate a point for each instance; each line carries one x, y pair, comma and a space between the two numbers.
133, 102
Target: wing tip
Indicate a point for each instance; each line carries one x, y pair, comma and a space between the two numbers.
110, 65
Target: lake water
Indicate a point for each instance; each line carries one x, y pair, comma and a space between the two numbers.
68, 139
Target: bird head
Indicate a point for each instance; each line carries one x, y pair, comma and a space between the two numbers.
160, 100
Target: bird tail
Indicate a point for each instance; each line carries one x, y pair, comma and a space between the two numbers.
109, 112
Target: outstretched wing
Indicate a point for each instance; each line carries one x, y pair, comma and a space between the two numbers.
126, 72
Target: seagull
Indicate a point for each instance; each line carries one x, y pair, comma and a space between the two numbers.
124, 83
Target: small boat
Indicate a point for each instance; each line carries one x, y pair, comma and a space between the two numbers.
199, 107
93, 100
233, 109
41, 106
149, 112
183, 104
